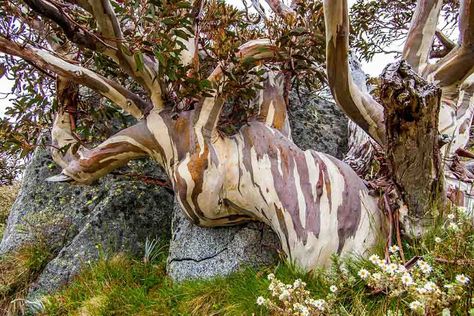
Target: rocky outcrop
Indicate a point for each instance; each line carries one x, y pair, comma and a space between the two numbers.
317, 123
81, 222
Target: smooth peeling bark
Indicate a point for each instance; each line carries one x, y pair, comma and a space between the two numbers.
357, 104
125, 99
411, 117
458, 65
316, 204
421, 34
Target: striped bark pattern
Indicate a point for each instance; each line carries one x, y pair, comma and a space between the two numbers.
316, 204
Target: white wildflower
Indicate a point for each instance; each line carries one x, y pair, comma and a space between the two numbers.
424, 267
430, 286
416, 306
407, 279
401, 268
374, 259
393, 249
381, 263
453, 226
284, 295
438, 240
319, 304
260, 300
376, 276
421, 290
392, 268
271, 276
333, 288
461, 278
271, 287
451, 216
363, 274
297, 283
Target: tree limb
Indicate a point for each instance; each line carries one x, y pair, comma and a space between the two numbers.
281, 9
357, 104
253, 51
125, 99
111, 42
456, 66
421, 34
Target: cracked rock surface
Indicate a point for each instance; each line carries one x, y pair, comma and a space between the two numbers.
198, 252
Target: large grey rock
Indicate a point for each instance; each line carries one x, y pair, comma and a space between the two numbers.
197, 252
78, 222
317, 123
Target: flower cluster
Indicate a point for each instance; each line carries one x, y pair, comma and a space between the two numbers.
415, 283
294, 299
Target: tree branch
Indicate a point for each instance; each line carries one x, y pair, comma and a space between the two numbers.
357, 104
281, 9
421, 34
130, 143
125, 99
112, 45
253, 51
456, 66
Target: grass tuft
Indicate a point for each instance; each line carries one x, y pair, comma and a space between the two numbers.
8, 194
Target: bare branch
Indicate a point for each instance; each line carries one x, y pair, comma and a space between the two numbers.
456, 66
421, 34
357, 104
130, 143
125, 99
112, 45
281, 9
252, 51
444, 40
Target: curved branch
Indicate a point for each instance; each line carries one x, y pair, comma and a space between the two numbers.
456, 66
357, 104
253, 51
111, 43
125, 99
131, 143
421, 33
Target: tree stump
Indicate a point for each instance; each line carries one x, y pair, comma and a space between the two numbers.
411, 107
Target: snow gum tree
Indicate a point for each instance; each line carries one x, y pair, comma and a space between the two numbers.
207, 86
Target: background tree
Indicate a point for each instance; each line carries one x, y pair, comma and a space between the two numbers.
210, 98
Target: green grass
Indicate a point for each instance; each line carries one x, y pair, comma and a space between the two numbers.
123, 285
17, 271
